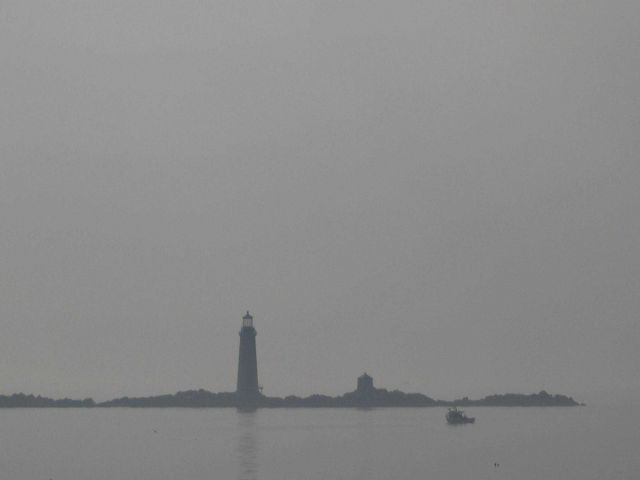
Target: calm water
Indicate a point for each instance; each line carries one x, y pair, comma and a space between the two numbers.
168, 444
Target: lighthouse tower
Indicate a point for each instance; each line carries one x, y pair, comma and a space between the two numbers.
247, 389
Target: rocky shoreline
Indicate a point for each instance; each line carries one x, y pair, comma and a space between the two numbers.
378, 397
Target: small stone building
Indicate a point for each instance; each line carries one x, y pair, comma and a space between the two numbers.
365, 383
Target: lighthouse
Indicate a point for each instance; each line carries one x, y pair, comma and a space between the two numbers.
247, 389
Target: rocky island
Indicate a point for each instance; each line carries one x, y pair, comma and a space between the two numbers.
365, 396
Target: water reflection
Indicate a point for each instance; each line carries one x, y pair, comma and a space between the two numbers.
247, 444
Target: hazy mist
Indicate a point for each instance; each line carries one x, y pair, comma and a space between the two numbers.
443, 194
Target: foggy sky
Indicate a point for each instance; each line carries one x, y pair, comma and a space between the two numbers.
445, 195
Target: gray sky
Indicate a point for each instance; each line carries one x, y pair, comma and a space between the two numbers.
444, 194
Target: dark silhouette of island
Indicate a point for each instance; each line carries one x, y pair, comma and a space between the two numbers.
541, 399
365, 396
378, 397
20, 400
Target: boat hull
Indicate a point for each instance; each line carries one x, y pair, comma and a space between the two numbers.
461, 422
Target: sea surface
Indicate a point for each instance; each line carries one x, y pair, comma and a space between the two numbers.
581, 443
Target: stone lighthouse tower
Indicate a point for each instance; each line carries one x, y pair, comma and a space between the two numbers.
247, 389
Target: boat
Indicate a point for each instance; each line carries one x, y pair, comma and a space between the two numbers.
458, 417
